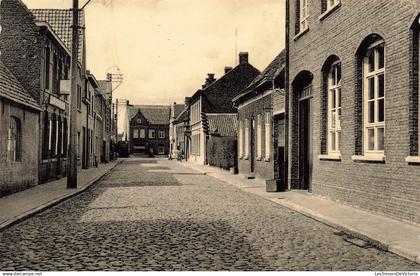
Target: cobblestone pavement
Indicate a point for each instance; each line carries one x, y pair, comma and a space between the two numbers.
157, 215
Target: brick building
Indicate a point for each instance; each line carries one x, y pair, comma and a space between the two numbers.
149, 129
19, 129
261, 115
215, 97
353, 93
40, 60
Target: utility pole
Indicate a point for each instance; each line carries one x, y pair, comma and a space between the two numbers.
72, 152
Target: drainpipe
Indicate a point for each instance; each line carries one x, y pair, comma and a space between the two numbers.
287, 99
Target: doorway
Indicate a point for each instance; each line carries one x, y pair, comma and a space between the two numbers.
305, 144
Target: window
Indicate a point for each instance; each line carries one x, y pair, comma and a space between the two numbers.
47, 68
374, 98
327, 5
161, 150
196, 112
259, 136
267, 134
78, 145
151, 133
246, 138
14, 135
240, 140
142, 133
303, 15
334, 108
161, 134
138, 120
135, 133
79, 97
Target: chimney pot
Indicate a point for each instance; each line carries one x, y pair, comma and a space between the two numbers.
227, 69
243, 57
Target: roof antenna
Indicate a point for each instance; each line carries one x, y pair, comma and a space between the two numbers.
236, 45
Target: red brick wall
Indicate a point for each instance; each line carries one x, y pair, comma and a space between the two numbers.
17, 176
391, 187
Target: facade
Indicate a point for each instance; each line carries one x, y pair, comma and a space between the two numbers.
60, 21
43, 74
108, 123
176, 109
181, 136
19, 125
353, 103
149, 129
216, 97
261, 123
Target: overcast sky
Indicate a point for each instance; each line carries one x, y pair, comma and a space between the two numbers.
165, 48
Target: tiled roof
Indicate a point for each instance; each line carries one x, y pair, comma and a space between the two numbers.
272, 69
11, 89
61, 21
178, 108
154, 114
223, 124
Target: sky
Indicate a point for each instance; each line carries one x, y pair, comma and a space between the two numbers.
165, 48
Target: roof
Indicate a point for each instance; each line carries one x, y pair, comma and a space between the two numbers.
222, 124
182, 116
209, 89
154, 114
270, 72
11, 89
178, 108
61, 22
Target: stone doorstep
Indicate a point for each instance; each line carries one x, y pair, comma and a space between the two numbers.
370, 238
32, 212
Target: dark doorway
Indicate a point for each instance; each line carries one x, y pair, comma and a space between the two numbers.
305, 144
252, 134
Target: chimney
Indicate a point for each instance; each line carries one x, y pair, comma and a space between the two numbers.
227, 69
210, 79
243, 57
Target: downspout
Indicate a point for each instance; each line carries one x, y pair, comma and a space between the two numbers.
287, 98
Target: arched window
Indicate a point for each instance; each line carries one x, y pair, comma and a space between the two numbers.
330, 135
374, 98
14, 135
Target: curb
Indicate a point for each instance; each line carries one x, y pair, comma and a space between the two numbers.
28, 214
347, 229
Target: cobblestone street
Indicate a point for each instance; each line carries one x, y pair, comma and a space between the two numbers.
155, 214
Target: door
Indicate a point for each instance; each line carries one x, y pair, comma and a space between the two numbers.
305, 144
252, 141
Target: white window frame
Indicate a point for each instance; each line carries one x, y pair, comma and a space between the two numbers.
142, 133
240, 140
161, 150
267, 135
334, 110
332, 3
375, 125
246, 146
161, 134
259, 137
135, 133
152, 134
303, 15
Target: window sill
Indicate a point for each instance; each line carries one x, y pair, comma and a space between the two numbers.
301, 33
369, 158
267, 159
333, 157
329, 11
259, 158
246, 158
413, 160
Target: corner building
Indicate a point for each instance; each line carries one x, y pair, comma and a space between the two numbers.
353, 100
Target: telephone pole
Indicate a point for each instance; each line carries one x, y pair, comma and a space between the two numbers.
72, 152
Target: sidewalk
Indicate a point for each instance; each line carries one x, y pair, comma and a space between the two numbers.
21, 205
392, 235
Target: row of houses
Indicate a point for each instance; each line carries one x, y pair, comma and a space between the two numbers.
336, 113
35, 69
